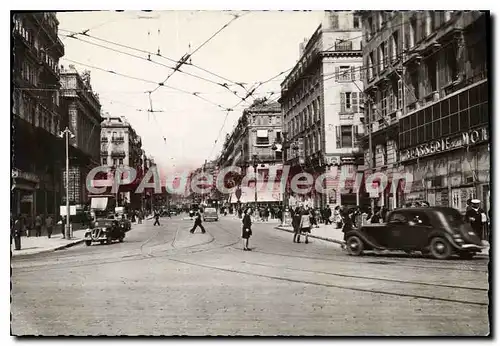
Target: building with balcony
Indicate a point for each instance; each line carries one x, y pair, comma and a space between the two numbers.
38, 154
250, 146
122, 147
426, 90
81, 113
321, 102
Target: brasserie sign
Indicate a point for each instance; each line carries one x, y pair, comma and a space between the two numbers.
445, 144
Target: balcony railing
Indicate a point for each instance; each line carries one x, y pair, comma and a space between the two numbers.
118, 139
104, 139
118, 153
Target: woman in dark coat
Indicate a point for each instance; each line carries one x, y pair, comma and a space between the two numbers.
296, 225
247, 229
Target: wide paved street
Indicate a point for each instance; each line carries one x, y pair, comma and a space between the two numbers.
166, 281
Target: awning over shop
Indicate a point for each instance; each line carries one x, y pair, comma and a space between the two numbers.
264, 194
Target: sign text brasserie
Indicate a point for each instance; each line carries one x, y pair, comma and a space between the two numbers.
448, 143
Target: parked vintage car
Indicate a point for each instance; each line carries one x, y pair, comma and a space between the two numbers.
210, 214
105, 231
437, 231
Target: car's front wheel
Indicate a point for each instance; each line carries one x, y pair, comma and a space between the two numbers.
88, 242
354, 246
440, 248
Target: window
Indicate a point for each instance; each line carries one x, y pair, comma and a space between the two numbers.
394, 51
370, 66
413, 32
114, 162
383, 102
343, 45
347, 100
429, 23
104, 160
397, 218
431, 74
120, 161
356, 22
381, 57
345, 136
371, 28
262, 137
278, 136
343, 73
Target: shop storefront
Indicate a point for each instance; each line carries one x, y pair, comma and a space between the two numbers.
24, 186
446, 149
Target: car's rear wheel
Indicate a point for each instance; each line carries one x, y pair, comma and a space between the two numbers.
88, 242
108, 241
354, 246
440, 248
101, 242
121, 239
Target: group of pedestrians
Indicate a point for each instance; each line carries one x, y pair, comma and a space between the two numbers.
23, 226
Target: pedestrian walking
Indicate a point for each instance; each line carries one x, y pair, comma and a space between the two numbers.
476, 217
328, 215
49, 225
197, 223
246, 231
157, 218
38, 226
296, 225
305, 224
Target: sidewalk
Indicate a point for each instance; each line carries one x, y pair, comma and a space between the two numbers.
323, 232
34, 245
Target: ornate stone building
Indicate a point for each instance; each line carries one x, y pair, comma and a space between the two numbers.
427, 89
321, 101
37, 152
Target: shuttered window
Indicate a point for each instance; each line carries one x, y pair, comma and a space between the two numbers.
338, 137
355, 102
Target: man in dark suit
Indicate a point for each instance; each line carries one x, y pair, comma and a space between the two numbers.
197, 223
476, 217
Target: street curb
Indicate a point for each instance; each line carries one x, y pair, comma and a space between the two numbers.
314, 236
65, 246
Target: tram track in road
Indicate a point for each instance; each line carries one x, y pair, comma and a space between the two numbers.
314, 283
374, 261
128, 255
369, 277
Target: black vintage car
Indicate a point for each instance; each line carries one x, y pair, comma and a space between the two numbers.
105, 231
436, 231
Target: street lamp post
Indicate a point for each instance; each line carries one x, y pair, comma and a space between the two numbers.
67, 135
254, 164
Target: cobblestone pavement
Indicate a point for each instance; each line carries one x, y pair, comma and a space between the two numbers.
166, 281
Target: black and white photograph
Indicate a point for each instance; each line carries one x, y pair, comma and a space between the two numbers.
251, 173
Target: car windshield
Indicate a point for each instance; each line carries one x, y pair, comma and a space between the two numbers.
210, 210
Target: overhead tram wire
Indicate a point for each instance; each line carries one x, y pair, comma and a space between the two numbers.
147, 81
151, 54
223, 85
188, 56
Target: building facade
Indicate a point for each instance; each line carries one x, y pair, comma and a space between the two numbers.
251, 146
37, 152
121, 147
321, 101
427, 101
81, 113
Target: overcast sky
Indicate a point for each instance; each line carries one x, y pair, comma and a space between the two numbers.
252, 49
